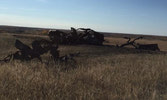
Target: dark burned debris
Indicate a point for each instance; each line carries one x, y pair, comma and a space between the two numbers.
151, 47
40, 47
77, 36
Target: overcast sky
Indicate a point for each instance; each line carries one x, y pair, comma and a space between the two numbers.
125, 16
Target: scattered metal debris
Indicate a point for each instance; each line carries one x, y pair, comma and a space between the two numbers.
77, 36
151, 47
40, 47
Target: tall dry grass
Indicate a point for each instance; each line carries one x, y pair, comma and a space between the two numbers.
100, 73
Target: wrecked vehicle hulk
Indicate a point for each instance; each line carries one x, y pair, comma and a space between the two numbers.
77, 36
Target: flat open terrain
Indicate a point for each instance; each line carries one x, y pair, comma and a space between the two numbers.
100, 72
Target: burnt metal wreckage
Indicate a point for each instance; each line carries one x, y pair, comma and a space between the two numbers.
40, 47
150, 47
77, 36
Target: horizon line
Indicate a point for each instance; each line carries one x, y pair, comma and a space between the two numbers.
107, 32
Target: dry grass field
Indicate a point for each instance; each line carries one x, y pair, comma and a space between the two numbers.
101, 73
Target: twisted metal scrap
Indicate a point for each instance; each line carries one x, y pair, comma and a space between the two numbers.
88, 36
39, 47
150, 47
26, 53
130, 42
